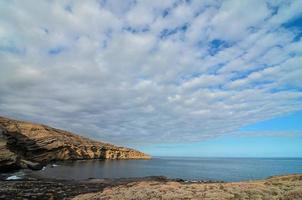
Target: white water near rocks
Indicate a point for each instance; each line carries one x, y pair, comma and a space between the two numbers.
15, 176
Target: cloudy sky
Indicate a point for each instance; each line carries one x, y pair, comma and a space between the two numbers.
149, 73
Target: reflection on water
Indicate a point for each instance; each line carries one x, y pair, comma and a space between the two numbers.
226, 169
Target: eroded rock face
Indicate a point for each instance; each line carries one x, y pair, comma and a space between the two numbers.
25, 145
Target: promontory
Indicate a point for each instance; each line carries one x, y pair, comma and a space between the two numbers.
29, 145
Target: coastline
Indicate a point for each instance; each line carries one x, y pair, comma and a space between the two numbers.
45, 188
276, 187
27, 145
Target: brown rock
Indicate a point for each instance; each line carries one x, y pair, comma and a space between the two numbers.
287, 187
26, 145
8, 159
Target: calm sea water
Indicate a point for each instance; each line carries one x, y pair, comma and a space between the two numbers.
225, 169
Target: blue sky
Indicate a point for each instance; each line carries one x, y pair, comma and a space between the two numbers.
167, 74
289, 122
249, 145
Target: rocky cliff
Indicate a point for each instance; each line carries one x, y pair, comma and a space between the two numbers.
29, 145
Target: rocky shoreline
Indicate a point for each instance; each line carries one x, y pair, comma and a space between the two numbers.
40, 189
287, 187
46, 189
28, 145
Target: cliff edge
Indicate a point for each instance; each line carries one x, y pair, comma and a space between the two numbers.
28, 145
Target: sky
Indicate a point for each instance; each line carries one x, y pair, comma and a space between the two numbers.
277, 137
191, 78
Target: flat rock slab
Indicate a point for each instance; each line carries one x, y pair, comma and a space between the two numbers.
41, 189
38, 189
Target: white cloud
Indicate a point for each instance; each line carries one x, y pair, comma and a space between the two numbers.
204, 81
234, 18
149, 71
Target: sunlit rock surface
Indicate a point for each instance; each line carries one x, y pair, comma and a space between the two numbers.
275, 188
29, 145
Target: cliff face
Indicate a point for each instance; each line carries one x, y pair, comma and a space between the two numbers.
28, 145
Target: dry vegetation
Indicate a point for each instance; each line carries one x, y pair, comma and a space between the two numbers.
278, 188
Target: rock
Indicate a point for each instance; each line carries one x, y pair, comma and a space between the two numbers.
287, 187
29, 145
30, 165
8, 159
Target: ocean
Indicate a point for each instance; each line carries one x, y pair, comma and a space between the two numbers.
220, 169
